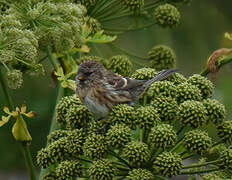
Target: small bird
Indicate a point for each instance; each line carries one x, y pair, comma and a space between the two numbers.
100, 90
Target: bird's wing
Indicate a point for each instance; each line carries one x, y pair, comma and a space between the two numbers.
126, 87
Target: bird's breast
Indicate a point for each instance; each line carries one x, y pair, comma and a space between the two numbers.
93, 105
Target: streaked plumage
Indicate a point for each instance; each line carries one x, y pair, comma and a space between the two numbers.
100, 90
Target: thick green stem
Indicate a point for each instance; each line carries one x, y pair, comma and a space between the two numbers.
28, 160
53, 126
202, 164
221, 63
177, 145
200, 171
119, 158
6, 91
52, 59
25, 145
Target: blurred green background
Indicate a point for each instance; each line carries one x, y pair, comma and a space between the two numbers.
200, 33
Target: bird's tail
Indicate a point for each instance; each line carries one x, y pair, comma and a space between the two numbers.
159, 77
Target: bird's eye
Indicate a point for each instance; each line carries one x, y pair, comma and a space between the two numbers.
88, 73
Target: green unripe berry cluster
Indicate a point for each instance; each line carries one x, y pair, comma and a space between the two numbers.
167, 15
120, 64
162, 57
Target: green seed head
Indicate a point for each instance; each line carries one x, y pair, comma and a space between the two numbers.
163, 136
57, 134
144, 73
122, 113
226, 157
147, 117
177, 78
216, 111
78, 116
52, 154
225, 131
186, 91
95, 146
162, 88
14, 79
63, 106
118, 135
166, 107
68, 169
134, 5
197, 141
120, 64
167, 15
140, 174
94, 25
162, 57
137, 153
193, 113
205, 85
102, 169
168, 164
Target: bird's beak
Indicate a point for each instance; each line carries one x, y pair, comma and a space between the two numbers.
80, 77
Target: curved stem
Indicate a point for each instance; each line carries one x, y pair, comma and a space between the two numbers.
127, 52
123, 30
222, 62
202, 164
53, 126
6, 91
119, 158
200, 171
28, 160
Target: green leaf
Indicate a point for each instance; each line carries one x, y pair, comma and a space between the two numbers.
101, 38
20, 131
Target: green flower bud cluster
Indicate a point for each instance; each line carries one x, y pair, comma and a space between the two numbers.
57, 151
137, 153
215, 111
140, 174
186, 91
78, 116
147, 117
167, 108
193, 113
177, 78
162, 57
226, 157
197, 141
102, 169
122, 113
15, 79
118, 135
63, 106
93, 25
205, 85
162, 88
168, 164
167, 15
144, 73
68, 169
95, 146
120, 64
163, 136
141, 142
225, 131
134, 5
57, 134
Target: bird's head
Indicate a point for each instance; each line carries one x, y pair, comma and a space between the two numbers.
89, 71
